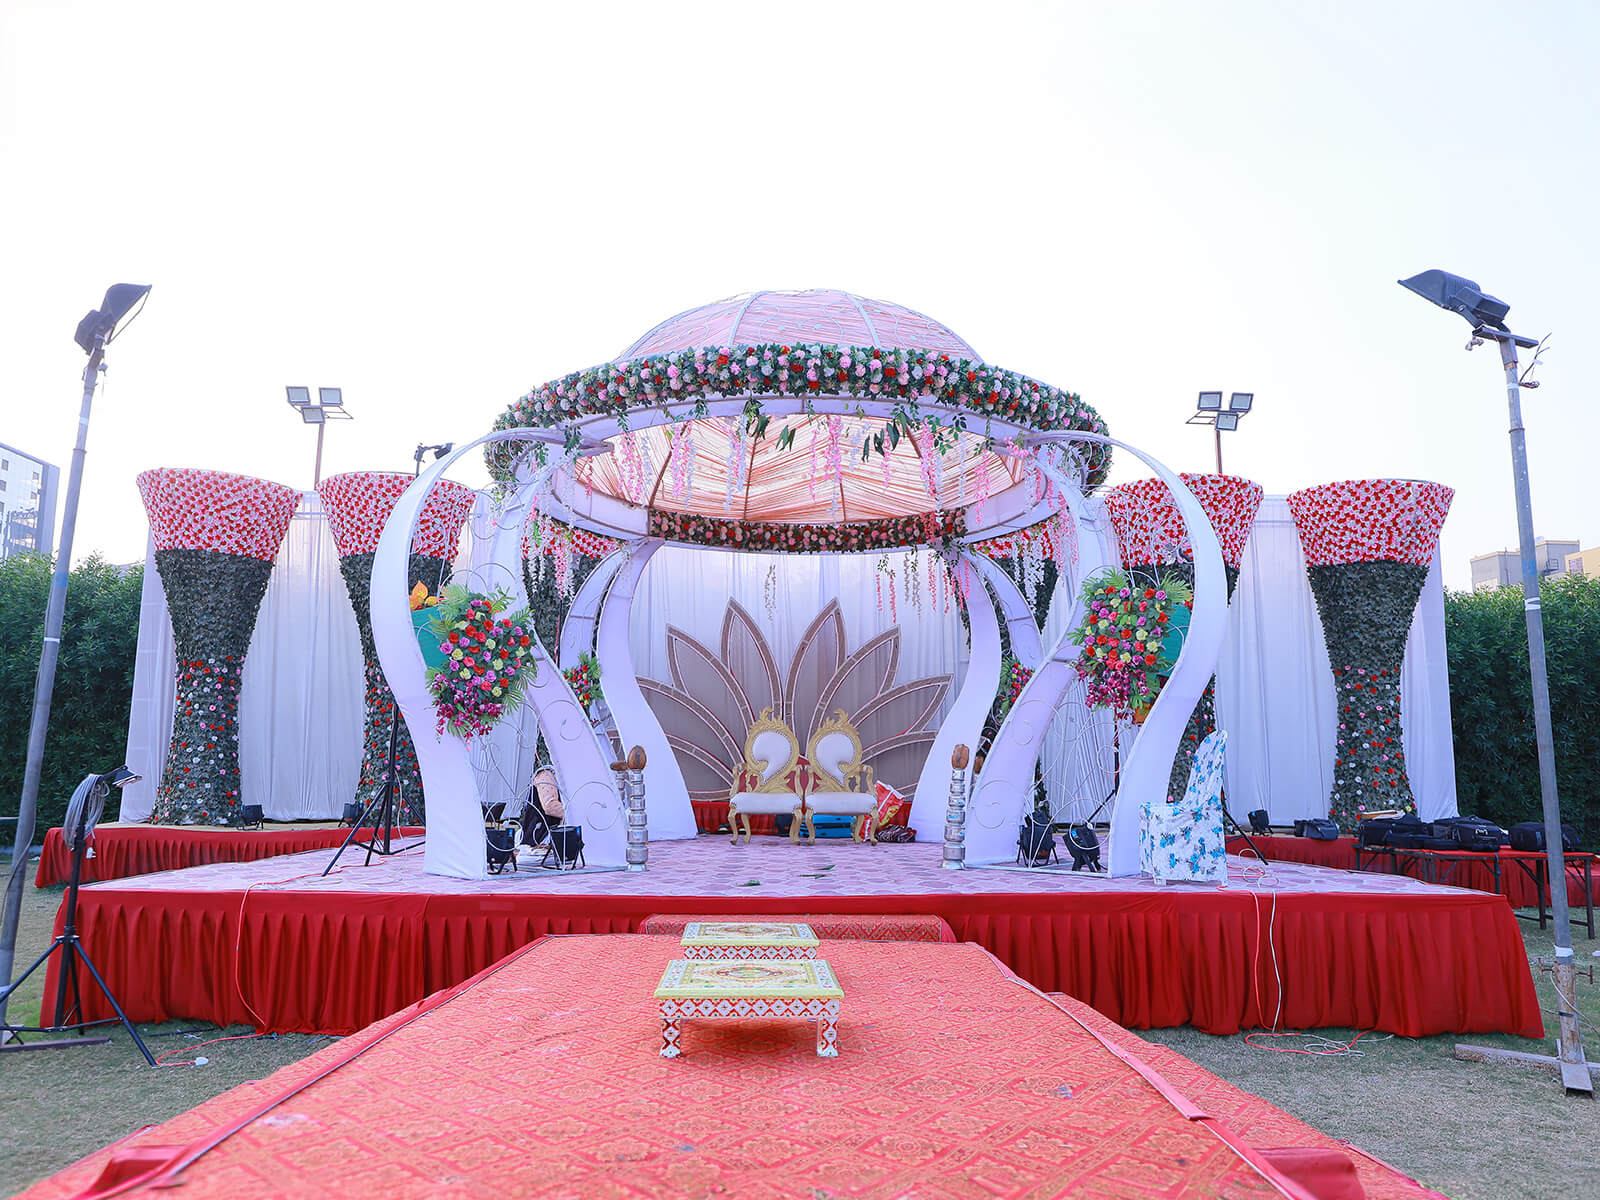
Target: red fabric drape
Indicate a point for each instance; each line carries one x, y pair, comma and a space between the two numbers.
1413, 965
124, 850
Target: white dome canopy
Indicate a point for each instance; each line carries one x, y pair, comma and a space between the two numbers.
818, 315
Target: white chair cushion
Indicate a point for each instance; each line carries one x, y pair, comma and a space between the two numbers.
764, 803
841, 804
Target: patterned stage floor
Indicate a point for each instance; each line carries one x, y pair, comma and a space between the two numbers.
710, 866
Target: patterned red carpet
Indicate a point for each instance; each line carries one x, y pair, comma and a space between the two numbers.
541, 1077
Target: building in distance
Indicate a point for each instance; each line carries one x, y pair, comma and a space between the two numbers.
1503, 568
28, 490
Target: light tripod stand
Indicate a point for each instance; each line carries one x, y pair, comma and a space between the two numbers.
83, 813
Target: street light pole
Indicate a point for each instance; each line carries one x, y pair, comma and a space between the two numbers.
1487, 314
1574, 1071
122, 303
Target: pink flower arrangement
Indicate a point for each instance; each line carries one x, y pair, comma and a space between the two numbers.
489, 659
1130, 635
779, 537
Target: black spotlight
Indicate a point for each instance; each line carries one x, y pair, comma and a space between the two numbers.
1084, 846
1260, 823
565, 852
352, 815
1036, 844
254, 818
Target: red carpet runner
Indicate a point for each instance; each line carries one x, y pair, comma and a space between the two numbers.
121, 851
542, 1077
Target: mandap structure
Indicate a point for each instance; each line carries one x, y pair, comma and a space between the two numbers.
1368, 545
805, 423
216, 536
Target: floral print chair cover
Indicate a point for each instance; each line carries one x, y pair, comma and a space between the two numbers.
1182, 840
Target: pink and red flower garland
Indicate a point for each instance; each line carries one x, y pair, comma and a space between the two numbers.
190, 509
1371, 520
887, 533
767, 368
1150, 529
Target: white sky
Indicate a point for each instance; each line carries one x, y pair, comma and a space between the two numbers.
436, 207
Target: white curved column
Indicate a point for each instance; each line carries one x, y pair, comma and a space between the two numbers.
963, 724
454, 814
1026, 645
1006, 781
666, 795
578, 630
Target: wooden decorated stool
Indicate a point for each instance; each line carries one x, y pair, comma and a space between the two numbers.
748, 940
731, 991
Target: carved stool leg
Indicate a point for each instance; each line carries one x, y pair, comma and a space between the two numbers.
827, 1037
672, 1037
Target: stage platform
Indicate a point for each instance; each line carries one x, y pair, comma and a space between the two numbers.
124, 850
1509, 872
276, 945
541, 1076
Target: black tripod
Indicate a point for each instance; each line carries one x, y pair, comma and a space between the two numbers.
70, 946
385, 802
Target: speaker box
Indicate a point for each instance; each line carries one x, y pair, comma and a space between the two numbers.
1529, 835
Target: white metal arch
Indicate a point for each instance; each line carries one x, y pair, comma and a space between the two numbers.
1006, 782
454, 816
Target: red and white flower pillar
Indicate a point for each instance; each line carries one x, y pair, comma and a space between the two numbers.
1151, 539
357, 505
1368, 545
216, 536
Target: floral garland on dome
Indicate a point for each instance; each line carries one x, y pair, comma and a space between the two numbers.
1368, 545
779, 537
800, 372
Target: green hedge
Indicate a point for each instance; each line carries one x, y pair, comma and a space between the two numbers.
1491, 706
94, 678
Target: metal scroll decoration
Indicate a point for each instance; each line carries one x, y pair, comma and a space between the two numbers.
1368, 545
358, 504
216, 536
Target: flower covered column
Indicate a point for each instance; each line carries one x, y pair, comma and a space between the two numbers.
357, 505
1151, 540
216, 536
1368, 545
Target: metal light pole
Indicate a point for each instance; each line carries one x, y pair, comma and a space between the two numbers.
329, 407
1487, 316
121, 304
1209, 411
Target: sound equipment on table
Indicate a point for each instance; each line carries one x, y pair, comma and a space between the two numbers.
1529, 835
1318, 829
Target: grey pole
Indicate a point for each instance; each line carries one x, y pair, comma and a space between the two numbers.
1574, 1074
45, 683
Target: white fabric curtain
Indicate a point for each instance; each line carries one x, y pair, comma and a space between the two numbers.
1275, 687
303, 698
302, 704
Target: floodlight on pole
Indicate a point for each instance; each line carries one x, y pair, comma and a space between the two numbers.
329, 407
1486, 314
122, 303
1209, 411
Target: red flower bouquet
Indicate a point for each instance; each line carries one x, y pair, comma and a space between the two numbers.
488, 660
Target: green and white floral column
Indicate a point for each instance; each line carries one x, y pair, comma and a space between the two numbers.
1151, 540
358, 504
1368, 545
216, 536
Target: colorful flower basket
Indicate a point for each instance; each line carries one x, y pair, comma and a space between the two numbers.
488, 660
1130, 637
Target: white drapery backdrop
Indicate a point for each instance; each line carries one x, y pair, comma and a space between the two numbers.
302, 703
